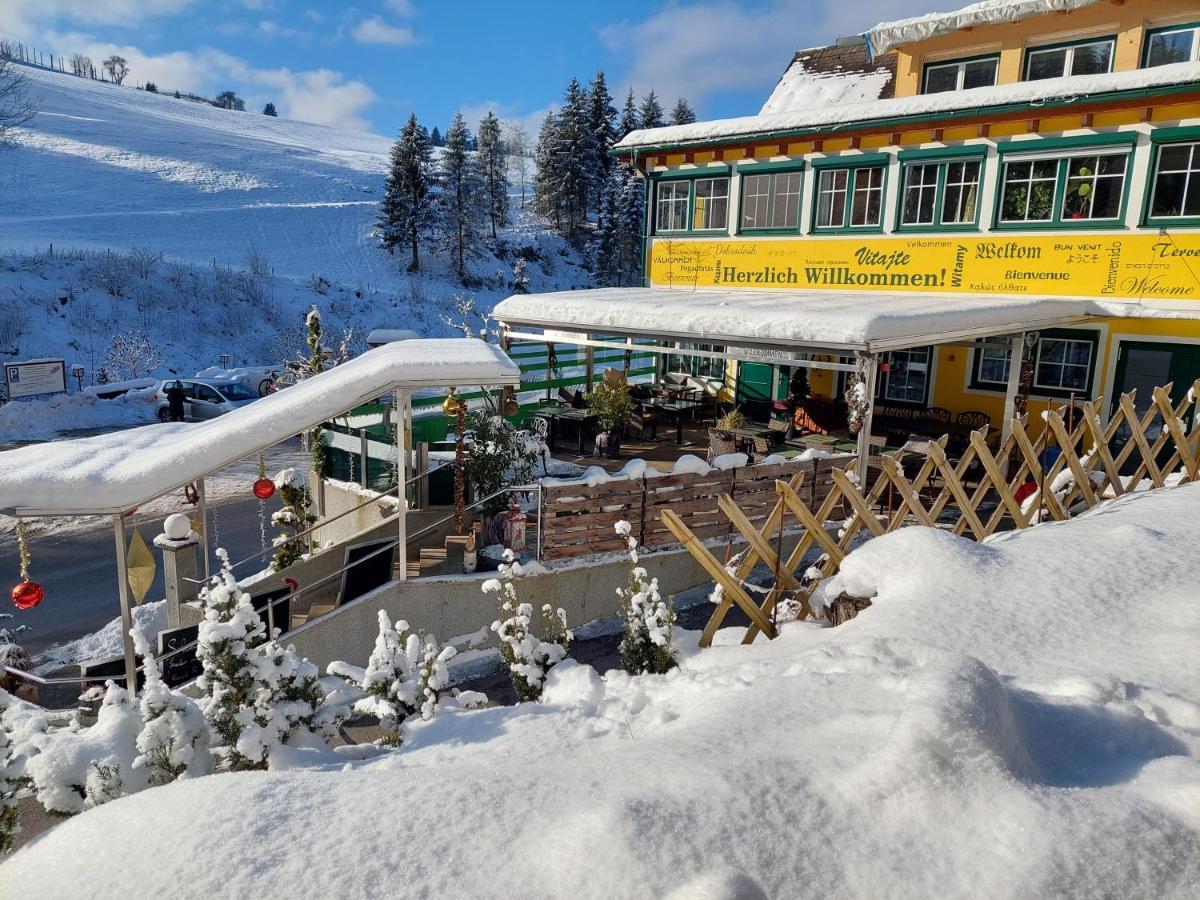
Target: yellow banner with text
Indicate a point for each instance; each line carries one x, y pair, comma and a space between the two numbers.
1125, 266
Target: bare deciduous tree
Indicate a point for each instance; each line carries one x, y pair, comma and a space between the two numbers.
117, 68
520, 154
17, 106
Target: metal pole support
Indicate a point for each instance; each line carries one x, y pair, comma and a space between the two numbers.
126, 611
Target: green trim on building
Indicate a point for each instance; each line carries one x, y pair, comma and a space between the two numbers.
1108, 139
752, 167
966, 151
851, 160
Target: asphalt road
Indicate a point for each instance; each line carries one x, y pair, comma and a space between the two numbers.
79, 572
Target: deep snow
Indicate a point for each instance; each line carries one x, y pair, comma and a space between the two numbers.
1013, 719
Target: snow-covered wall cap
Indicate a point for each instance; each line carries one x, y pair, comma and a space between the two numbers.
889, 35
1070, 88
116, 472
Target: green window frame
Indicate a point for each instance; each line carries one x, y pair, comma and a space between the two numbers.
691, 200
1169, 45
672, 204
1085, 184
847, 189
706, 368
1064, 358
969, 72
769, 198
904, 376
1072, 57
940, 191
1175, 174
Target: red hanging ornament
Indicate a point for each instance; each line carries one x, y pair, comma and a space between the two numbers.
264, 489
27, 595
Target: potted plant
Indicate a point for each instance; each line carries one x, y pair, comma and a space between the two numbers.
613, 405
496, 455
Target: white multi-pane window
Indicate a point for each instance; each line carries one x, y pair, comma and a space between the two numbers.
1061, 365
1029, 188
711, 211
671, 206
957, 184
961, 75
831, 198
866, 205
1087, 186
960, 199
920, 194
907, 377
770, 200
1176, 191
1094, 187
1173, 45
1084, 58
849, 197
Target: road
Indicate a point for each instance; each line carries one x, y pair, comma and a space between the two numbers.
79, 572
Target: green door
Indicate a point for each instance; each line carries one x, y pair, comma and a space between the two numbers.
1145, 365
755, 390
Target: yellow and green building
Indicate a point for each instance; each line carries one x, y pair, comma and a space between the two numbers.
1036, 148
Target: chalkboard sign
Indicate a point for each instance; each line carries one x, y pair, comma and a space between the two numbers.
97, 671
362, 575
179, 668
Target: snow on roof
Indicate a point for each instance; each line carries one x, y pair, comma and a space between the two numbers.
888, 35
785, 318
388, 335
119, 471
1071, 88
801, 88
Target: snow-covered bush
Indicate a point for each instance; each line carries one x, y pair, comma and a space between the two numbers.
11, 780
174, 739
292, 518
646, 646
404, 677
256, 693
528, 657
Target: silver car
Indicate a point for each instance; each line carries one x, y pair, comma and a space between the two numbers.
203, 398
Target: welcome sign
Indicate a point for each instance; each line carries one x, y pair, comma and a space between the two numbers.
1117, 266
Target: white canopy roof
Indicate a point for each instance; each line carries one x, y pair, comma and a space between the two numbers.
116, 472
848, 322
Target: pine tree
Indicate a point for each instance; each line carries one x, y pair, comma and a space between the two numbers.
547, 181
630, 119
682, 113
461, 200
601, 252
529, 659
602, 121
647, 646
174, 738
493, 162
406, 213
435, 138
315, 365
269, 110
576, 156
616, 250
651, 112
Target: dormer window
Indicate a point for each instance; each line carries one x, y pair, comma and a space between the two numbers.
1179, 43
960, 74
1090, 57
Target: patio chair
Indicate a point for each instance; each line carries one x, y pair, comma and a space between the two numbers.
974, 419
720, 443
565, 397
641, 419
539, 430
937, 414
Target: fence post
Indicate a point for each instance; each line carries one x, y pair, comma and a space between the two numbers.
363, 456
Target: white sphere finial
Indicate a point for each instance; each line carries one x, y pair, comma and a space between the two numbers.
176, 527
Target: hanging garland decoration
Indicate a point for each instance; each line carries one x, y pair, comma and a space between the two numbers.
28, 593
264, 487
1021, 401
856, 398
191, 494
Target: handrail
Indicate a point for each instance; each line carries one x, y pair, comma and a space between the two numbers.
519, 488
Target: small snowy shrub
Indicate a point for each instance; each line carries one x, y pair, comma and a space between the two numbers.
292, 518
404, 677
174, 738
528, 658
257, 694
11, 781
646, 647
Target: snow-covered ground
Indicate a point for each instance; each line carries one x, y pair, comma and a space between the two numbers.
110, 168
1014, 719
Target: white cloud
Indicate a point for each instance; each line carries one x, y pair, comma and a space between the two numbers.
405, 8
24, 19
376, 31
700, 49
508, 112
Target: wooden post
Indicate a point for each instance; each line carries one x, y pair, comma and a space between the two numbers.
1012, 388
126, 612
871, 362
402, 400
589, 359
202, 508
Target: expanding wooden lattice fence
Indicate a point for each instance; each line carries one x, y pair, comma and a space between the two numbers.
1015, 485
578, 519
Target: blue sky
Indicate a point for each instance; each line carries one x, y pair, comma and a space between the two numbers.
368, 65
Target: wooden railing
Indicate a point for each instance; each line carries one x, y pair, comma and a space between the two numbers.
1016, 485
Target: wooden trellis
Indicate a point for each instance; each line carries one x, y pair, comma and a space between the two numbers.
982, 491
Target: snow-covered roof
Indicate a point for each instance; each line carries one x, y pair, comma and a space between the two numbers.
847, 321
1071, 87
801, 88
388, 335
888, 35
116, 472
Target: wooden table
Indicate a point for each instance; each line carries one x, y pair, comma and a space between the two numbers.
557, 414
676, 409
745, 436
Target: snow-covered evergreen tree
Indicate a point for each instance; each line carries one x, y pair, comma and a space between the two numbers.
630, 119
682, 114
602, 116
293, 517
315, 365
647, 645
406, 215
528, 657
462, 205
405, 676
493, 163
520, 277
174, 739
269, 110
579, 161
547, 181
11, 780
256, 694
601, 251
435, 138
651, 112
616, 251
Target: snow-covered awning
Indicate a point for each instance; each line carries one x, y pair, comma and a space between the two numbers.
116, 472
1072, 88
808, 322
889, 35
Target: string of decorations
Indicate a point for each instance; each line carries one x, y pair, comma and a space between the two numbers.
28, 593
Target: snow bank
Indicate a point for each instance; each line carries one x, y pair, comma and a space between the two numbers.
889, 35
120, 471
43, 419
1014, 719
107, 642
1070, 87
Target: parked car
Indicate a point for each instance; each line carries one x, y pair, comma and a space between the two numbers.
204, 398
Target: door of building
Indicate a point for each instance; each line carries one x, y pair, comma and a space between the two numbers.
1145, 365
755, 390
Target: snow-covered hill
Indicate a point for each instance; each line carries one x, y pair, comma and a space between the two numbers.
113, 168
